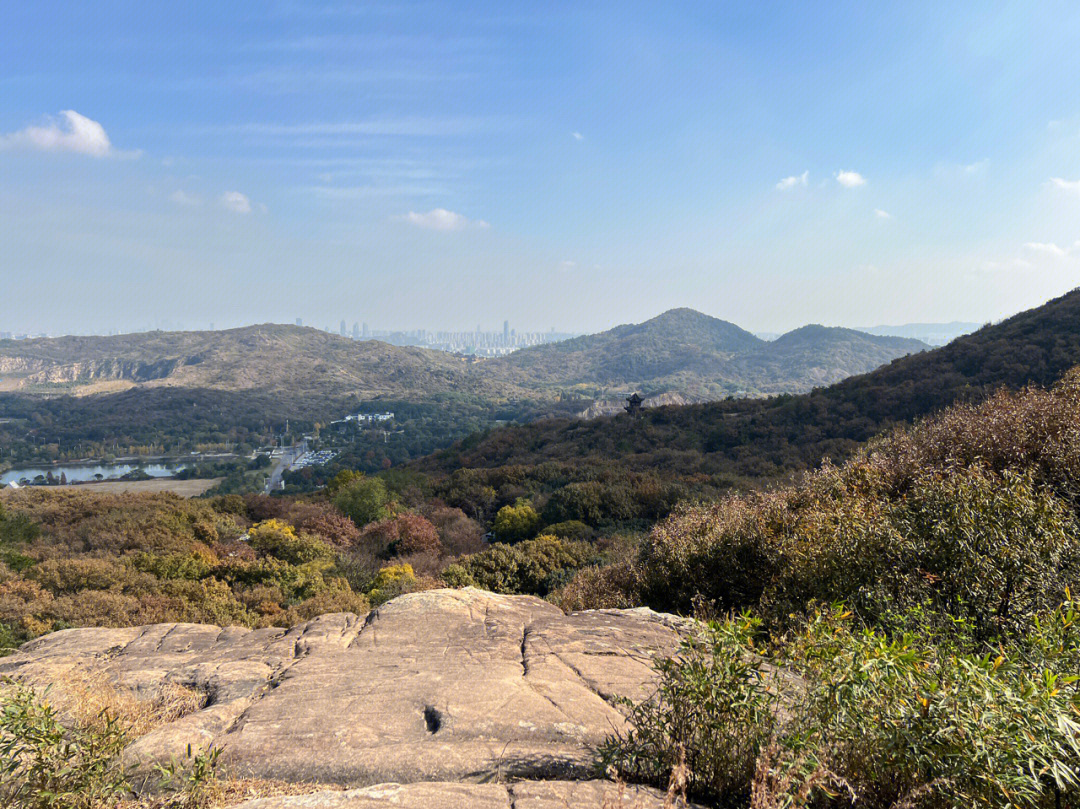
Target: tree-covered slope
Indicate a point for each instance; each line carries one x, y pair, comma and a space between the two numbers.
784, 433
686, 351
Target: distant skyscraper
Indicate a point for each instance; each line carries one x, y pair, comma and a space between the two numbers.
343, 328
356, 331
299, 321
506, 331
367, 333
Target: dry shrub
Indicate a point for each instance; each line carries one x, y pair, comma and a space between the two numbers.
599, 588
401, 535
324, 521
458, 534
333, 600
262, 507
972, 512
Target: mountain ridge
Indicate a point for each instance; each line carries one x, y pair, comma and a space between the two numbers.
679, 351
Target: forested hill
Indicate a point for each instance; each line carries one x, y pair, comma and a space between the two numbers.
785, 433
689, 352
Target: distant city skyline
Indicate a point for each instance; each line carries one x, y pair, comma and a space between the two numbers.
458, 340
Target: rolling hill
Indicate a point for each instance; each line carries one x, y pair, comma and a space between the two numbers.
782, 434
287, 360
691, 353
679, 351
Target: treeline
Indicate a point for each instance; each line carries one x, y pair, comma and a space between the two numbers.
177, 421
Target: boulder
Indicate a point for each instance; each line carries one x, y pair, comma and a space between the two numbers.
459, 686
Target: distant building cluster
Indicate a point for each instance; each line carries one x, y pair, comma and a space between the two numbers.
10, 335
369, 418
474, 343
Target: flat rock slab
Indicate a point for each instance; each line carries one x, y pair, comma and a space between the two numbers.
439, 686
450, 795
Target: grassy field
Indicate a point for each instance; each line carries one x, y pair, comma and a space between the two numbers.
184, 488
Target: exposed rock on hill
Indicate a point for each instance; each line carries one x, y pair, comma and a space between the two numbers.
442, 686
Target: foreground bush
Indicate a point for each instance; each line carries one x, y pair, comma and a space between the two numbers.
62, 749
973, 513
874, 721
710, 718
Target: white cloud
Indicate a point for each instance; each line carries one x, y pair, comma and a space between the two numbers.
442, 219
567, 265
181, 197
850, 179
69, 133
1066, 185
236, 202
976, 167
1046, 249
880, 214
577, 136
794, 180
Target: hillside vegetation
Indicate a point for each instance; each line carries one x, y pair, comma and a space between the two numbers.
285, 360
686, 351
681, 350
773, 437
922, 594
897, 630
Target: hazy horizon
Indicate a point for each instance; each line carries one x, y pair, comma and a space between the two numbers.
573, 167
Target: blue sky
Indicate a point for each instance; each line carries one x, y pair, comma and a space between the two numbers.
561, 165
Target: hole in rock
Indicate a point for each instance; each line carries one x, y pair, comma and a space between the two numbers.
432, 719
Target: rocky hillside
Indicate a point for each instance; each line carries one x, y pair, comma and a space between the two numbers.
448, 698
269, 358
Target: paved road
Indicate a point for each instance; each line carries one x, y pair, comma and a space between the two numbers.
288, 457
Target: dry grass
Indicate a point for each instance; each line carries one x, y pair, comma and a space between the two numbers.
184, 488
227, 793
86, 697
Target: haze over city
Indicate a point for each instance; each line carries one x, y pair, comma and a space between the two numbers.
561, 166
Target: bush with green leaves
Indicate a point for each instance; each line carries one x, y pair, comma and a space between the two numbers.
516, 523
839, 715
712, 713
45, 765
362, 499
280, 540
535, 566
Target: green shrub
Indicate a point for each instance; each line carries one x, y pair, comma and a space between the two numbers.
910, 719
712, 714
280, 540
44, 765
363, 500
571, 529
533, 566
517, 522
834, 715
390, 582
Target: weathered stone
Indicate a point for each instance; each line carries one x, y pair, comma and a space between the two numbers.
446, 685
449, 795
